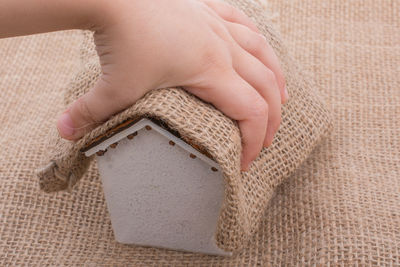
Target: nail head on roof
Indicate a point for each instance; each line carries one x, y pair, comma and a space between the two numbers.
148, 127
172, 143
101, 152
214, 169
193, 156
114, 145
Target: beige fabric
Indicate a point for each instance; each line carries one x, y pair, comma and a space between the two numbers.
304, 121
341, 208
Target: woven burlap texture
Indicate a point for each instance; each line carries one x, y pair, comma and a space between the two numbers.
304, 122
340, 208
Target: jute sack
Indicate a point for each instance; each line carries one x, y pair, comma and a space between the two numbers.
304, 122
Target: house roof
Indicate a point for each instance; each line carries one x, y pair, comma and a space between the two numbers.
130, 128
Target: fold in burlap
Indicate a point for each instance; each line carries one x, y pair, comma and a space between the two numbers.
340, 208
304, 121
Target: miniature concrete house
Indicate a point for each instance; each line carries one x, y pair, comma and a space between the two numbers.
160, 191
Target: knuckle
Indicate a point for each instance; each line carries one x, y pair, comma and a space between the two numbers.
210, 59
215, 62
259, 108
256, 43
231, 12
275, 79
270, 77
210, 3
84, 110
221, 30
225, 9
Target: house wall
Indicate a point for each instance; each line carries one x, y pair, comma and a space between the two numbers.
158, 195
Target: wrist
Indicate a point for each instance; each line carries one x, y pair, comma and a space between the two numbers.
39, 16
96, 14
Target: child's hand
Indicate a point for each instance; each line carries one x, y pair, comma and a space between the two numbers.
210, 48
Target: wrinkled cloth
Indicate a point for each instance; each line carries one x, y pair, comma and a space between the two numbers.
305, 120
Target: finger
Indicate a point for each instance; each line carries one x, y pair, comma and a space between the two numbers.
230, 13
264, 81
238, 100
257, 45
88, 112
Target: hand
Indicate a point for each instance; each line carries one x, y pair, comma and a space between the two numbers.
210, 48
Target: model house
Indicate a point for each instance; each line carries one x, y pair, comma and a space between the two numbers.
160, 190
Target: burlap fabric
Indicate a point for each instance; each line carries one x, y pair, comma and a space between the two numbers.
341, 207
304, 121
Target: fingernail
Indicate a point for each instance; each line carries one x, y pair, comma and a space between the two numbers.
286, 94
265, 38
243, 166
65, 125
269, 143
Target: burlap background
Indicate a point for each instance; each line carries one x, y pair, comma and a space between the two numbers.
341, 207
304, 121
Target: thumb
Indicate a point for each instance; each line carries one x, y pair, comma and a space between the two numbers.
88, 112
